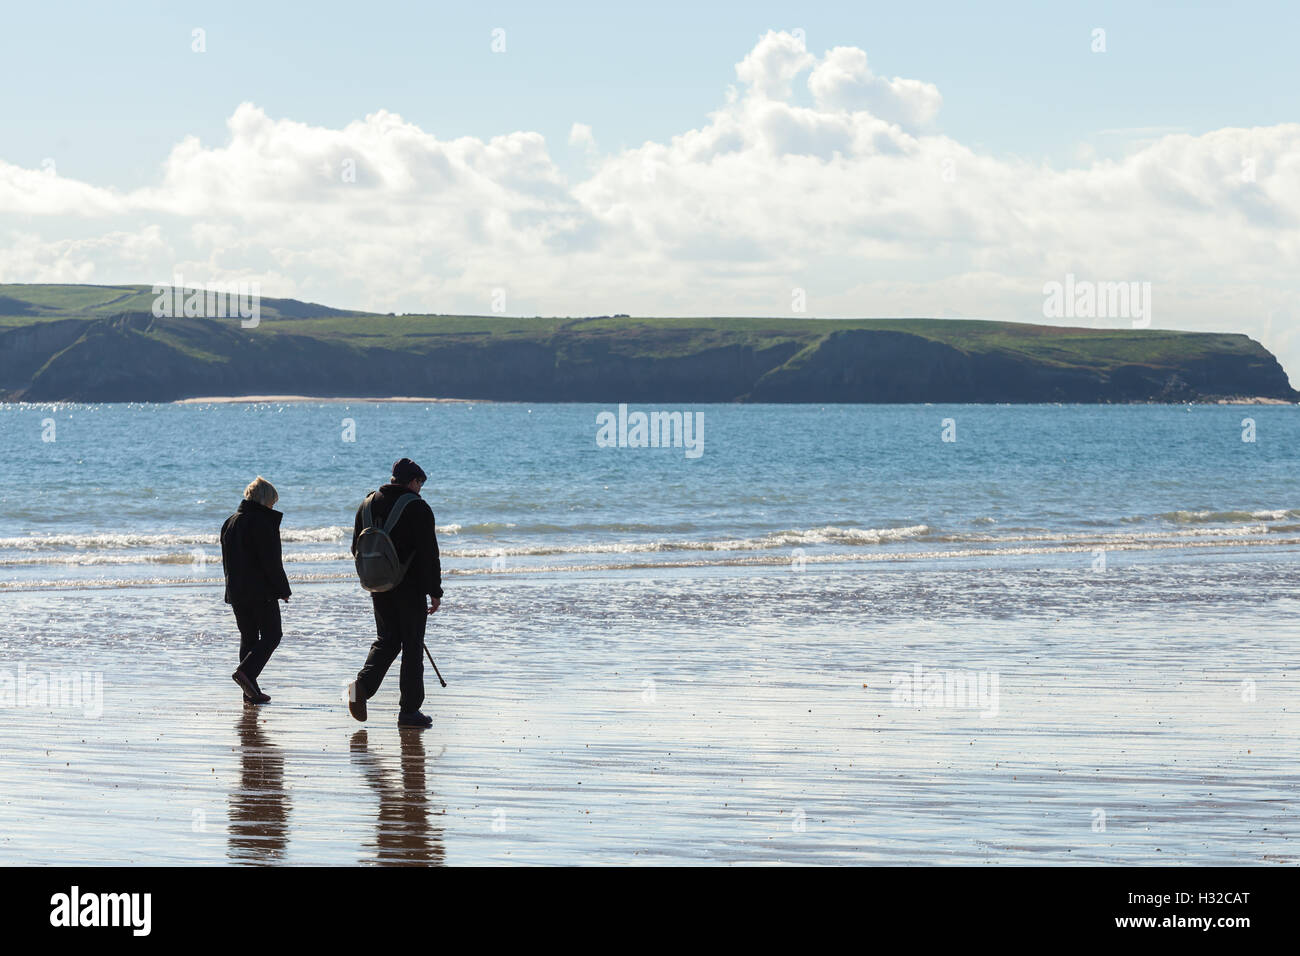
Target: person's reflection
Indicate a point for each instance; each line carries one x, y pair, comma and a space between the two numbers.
405, 836
259, 807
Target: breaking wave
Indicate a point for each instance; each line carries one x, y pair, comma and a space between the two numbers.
202, 553
699, 561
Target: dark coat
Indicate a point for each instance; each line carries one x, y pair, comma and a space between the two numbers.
413, 535
250, 555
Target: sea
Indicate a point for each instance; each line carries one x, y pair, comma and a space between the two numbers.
104, 496
920, 634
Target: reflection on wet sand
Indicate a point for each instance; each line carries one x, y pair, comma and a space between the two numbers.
259, 807
404, 836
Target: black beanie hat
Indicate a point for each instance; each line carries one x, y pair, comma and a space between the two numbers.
405, 471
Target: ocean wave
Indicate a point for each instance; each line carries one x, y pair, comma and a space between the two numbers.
175, 558
830, 534
77, 552
859, 537
1119, 537
776, 539
114, 541
81, 549
810, 543
1221, 517
744, 560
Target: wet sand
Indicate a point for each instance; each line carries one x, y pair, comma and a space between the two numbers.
723, 717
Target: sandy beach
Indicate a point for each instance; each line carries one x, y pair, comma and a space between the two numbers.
654, 719
277, 399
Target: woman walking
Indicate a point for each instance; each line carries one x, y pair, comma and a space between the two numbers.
255, 579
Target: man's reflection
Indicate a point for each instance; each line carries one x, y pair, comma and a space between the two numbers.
405, 836
259, 807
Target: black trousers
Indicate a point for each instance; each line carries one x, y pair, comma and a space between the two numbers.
259, 634
400, 619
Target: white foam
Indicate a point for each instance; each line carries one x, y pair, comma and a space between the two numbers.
112, 541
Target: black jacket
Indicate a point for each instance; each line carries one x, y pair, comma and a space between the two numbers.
250, 555
413, 535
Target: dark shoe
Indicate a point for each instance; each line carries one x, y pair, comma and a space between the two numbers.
416, 719
247, 683
252, 693
356, 703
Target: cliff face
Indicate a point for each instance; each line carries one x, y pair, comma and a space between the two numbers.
136, 357
25, 349
886, 366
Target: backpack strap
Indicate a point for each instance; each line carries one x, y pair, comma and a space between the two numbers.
398, 508
367, 519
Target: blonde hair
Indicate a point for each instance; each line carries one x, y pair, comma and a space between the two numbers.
262, 492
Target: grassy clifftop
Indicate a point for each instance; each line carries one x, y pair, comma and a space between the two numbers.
101, 343
22, 304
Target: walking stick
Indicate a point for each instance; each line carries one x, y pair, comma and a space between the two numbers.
435, 666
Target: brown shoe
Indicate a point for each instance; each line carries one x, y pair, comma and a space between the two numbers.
247, 683
356, 703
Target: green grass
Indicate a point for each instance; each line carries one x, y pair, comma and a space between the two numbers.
73, 299
644, 336
396, 327
86, 301
14, 321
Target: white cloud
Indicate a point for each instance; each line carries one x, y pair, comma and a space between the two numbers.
853, 198
95, 259
42, 192
843, 81
770, 68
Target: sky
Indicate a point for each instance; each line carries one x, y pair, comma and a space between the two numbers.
918, 159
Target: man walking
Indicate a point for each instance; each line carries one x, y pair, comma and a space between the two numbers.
400, 611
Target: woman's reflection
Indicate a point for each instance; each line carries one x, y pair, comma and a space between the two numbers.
405, 836
259, 807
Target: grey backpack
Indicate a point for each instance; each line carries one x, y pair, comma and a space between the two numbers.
377, 563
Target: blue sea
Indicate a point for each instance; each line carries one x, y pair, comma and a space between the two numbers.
107, 495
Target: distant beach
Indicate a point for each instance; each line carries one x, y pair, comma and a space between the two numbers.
264, 399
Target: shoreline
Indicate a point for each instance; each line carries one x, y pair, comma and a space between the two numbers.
428, 400
1257, 400
416, 399
262, 399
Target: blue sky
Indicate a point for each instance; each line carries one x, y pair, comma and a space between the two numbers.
107, 89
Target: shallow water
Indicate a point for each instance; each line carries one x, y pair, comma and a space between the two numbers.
710, 715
